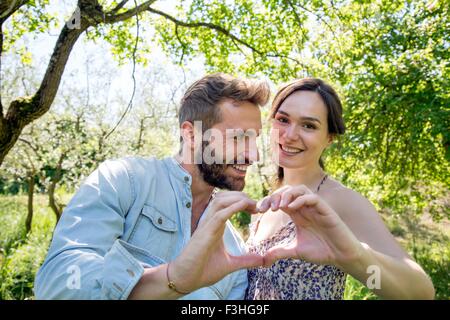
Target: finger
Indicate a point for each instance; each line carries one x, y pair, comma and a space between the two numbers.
280, 252
221, 216
246, 261
310, 200
228, 200
264, 204
293, 193
222, 194
286, 198
305, 200
251, 207
275, 202
225, 201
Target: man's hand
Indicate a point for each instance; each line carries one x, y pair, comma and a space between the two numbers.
205, 260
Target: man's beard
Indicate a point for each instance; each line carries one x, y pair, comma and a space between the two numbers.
214, 175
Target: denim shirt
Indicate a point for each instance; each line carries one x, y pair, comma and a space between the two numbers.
130, 214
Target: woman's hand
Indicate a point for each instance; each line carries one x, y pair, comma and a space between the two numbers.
321, 236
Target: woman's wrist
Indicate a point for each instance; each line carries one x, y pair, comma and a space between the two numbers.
357, 262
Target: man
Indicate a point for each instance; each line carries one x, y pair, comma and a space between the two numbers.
136, 228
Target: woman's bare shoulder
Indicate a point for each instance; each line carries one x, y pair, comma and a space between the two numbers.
343, 199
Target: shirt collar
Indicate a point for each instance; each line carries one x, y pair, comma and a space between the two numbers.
178, 171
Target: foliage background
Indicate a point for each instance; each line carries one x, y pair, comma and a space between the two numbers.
389, 61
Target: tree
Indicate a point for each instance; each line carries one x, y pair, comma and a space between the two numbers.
392, 66
23, 172
57, 151
224, 34
389, 59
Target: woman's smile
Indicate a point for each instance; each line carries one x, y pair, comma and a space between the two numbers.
289, 151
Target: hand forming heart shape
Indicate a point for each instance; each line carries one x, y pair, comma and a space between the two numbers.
321, 236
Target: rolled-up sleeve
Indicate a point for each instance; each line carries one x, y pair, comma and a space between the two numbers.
87, 259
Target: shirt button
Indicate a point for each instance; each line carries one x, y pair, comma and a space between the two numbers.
186, 178
188, 205
160, 220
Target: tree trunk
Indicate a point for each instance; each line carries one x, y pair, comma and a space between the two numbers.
22, 111
29, 219
53, 203
265, 180
141, 132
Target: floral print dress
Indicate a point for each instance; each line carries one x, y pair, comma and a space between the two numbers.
291, 279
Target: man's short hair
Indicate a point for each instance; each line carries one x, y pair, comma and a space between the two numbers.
201, 100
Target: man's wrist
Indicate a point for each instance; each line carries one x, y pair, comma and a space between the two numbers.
171, 284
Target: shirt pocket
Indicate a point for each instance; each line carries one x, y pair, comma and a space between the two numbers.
155, 232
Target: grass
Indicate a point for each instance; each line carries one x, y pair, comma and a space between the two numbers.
21, 255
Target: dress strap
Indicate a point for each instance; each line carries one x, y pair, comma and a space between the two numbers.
321, 182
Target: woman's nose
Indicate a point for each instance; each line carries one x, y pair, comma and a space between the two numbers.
291, 132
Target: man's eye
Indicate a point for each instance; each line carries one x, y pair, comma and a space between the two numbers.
282, 120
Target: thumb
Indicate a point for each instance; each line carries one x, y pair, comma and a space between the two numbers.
250, 260
280, 252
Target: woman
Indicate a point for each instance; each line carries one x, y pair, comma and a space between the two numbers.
317, 230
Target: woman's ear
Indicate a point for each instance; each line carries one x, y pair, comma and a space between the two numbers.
331, 138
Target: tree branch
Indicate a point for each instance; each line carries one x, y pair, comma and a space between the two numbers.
26, 109
183, 45
221, 30
205, 25
110, 17
8, 7
119, 6
317, 16
35, 149
130, 103
21, 112
297, 18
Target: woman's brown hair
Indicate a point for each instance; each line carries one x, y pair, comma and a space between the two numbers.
329, 97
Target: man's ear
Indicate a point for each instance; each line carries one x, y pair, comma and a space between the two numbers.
188, 134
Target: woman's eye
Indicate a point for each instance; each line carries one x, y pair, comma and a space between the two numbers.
309, 126
282, 120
